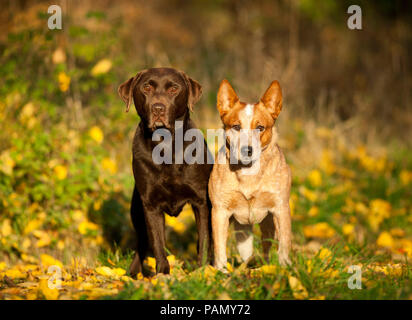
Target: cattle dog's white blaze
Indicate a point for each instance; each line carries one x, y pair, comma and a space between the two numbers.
249, 109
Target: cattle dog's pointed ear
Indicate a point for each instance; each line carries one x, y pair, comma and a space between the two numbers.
226, 97
272, 99
125, 90
194, 90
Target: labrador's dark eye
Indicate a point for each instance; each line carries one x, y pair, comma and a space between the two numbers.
147, 88
236, 127
173, 89
260, 128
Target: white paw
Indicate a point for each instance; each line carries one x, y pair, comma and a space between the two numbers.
284, 260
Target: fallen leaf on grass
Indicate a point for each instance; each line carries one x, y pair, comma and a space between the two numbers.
298, 290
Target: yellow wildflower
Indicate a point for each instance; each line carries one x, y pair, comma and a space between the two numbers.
397, 232
324, 254
379, 210
313, 212
64, 81
96, 134
109, 165
177, 225
308, 194
347, 229
315, 178
60, 171
326, 162
406, 177
319, 230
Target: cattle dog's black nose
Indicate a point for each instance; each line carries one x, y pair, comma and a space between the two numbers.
246, 151
158, 109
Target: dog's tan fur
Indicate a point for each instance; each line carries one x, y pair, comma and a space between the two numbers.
247, 199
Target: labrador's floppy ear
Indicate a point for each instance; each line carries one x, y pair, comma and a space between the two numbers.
125, 90
272, 99
226, 97
194, 88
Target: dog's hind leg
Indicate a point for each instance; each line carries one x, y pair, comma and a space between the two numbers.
139, 223
267, 228
244, 240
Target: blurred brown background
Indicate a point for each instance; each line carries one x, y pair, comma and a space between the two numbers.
358, 80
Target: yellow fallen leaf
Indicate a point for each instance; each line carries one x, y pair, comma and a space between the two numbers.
28, 258
44, 238
2, 266
6, 229
385, 240
105, 271
48, 293
298, 290
32, 225
109, 272
101, 67
119, 271
15, 273
86, 226
48, 261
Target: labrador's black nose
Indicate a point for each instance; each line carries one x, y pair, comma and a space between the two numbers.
158, 109
246, 151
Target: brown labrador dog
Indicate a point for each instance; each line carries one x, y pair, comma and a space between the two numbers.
161, 97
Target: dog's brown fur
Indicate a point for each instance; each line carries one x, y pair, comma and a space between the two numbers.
247, 199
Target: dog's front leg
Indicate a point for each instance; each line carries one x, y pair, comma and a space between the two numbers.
202, 223
155, 221
283, 226
220, 227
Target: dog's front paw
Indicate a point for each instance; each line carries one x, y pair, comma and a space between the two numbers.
221, 268
284, 260
162, 267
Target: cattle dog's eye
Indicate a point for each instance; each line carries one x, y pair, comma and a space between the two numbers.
236, 127
260, 128
173, 89
147, 88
